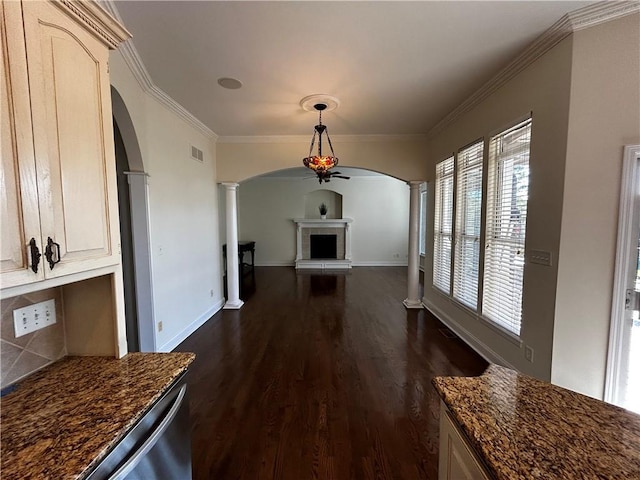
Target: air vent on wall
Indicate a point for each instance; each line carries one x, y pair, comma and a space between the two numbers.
197, 154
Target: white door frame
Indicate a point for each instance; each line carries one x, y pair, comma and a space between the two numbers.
625, 248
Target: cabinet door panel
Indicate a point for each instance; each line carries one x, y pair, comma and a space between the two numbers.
457, 461
72, 124
18, 192
79, 192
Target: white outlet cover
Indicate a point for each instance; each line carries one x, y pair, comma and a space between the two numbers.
34, 317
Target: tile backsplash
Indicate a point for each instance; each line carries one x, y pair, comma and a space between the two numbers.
24, 355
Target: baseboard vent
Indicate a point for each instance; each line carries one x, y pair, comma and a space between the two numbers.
447, 333
197, 154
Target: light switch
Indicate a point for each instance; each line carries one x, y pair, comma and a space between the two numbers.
541, 257
34, 317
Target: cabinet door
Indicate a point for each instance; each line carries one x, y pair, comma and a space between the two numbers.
457, 461
18, 192
73, 139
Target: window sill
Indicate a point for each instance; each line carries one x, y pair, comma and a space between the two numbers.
504, 333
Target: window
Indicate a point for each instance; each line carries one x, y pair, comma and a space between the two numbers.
423, 219
443, 225
468, 222
507, 195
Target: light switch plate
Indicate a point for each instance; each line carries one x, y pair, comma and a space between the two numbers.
34, 317
541, 257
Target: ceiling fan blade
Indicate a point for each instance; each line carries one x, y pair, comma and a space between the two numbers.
342, 176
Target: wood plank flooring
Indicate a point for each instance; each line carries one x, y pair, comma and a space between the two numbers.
320, 377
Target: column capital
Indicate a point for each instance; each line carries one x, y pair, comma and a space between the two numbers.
230, 185
415, 183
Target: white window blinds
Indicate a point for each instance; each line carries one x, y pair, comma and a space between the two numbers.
507, 195
468, 222
443, 225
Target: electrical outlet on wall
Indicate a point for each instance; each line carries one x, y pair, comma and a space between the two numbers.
34, 317
160, 326
528, 353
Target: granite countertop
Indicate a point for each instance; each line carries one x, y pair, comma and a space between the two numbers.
525, 428
61, 421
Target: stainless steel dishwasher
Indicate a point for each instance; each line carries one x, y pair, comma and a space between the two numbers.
159, 445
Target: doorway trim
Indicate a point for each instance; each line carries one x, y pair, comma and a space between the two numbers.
140, 230
624, 248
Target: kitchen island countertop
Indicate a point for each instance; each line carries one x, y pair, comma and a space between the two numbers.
524, 428
61, 421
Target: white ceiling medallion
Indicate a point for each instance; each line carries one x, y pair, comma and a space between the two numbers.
309, 103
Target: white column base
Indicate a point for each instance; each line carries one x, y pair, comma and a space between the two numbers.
417, 304
233, 305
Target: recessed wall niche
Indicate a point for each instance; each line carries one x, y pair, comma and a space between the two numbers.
331, 199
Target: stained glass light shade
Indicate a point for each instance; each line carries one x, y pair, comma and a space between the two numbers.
319, 163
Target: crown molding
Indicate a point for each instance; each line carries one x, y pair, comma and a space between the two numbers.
335, 138
586, 17
601, 12
105, 26
140, 73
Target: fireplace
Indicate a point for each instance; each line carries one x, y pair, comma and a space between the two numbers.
323, 246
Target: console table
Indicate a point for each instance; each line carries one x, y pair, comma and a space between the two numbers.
244, 246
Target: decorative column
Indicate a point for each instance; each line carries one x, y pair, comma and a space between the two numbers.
298, 242
140, 235
413, 274
347, 241
233, 278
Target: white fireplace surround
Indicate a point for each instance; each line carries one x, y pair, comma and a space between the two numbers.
308, 226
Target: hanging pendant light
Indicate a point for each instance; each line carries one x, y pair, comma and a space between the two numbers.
321, 164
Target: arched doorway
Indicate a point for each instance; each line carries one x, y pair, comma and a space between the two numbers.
133, 203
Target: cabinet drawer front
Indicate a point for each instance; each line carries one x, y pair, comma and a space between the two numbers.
19, 217
72, 137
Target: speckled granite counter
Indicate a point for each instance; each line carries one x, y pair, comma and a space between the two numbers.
524, 428
61, 421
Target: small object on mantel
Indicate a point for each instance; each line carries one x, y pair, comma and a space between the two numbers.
524, 428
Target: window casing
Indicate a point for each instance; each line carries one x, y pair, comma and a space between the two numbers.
507, 196
443, 225
423, 219
468, 223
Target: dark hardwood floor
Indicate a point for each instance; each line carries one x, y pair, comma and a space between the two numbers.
320, 377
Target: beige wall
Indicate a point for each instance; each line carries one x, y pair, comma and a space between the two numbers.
378, 205
543, 89
604, 116
401, 158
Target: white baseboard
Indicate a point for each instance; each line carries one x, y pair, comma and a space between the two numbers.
480, 348
192, 327
380, 263
275, 264
373, 263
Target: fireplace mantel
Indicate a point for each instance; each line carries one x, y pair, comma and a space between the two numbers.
304, 227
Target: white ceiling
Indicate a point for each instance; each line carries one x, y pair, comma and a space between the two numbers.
398, 67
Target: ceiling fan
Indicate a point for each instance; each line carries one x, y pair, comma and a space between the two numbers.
322, 164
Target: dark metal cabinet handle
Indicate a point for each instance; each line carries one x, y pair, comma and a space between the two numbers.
35, 255
52, 257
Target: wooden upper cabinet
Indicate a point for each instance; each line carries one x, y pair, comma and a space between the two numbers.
64, 193
19, 211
